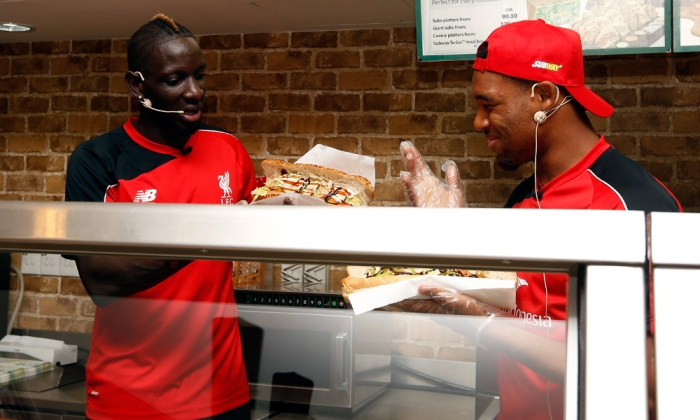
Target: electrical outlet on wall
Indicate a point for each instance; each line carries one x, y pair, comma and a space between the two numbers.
67, 268
49, 264
31, 264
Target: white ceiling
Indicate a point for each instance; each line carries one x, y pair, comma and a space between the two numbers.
60, 20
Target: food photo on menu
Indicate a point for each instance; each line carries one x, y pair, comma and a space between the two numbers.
689, 22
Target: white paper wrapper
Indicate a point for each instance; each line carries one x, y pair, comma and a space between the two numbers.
328, 157
498, 293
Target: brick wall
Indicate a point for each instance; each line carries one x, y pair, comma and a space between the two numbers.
362, 91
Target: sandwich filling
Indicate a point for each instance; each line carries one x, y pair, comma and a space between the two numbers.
399, 271
329, 191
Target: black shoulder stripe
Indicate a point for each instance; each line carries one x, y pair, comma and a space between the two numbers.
637, 187
525, 190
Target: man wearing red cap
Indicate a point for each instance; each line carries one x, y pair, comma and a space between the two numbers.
531, 105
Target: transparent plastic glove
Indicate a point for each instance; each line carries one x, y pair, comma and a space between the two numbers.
445, 301
424, 189
241, 203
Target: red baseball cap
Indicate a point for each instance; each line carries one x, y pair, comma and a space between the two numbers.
534, 50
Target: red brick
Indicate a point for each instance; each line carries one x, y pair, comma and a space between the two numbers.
27, 144
13, 85
287, 146
89, 84
685, 122
51, 47
275, 40
317, 123
595, 72
93, 46
404, 35
72, 286
478, 146
15, 48
9, 197
380, 146
45, 163
11, 124
4, 105
43, 197
688, 169
670, 96
242, 103
229, 124
243, 61
109, 64
64, 143
55, 184
640, 121
670, 146
70, 65
93, 123
29, 105
457, 125
11, 163
3, 144
105, 103
220, 42
389, 57
312, 81
263, 124
75, 325
457, 78
337, 102
30, 65
47, 123
264, 81
289, 60
289, 102
387, 102
389, 191
211, 104
474, 169
4, 66
687, 71
223, 81
327, 39
498, 193
445, 146
365, 37
639, 71
364, 80
346, 144
212, 60
47, 84
663, 171
440, 102
412, 124
87, 309
349, 124
69, 103
618, 97
625, 144
687, 193
119, 46
115, 122
415, 79
118, 85
254, 145
28, 183
337, 59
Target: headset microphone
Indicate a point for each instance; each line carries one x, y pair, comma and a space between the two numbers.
147, 104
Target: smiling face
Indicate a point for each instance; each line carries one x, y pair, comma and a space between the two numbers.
175, 80
505, 116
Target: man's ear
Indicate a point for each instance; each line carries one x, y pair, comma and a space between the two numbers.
134, 79
546, 94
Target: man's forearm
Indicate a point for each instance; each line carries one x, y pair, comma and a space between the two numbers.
108, 277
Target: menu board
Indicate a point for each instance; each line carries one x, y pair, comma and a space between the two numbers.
454, 29
686, 25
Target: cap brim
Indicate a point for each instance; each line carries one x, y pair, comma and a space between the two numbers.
589, 100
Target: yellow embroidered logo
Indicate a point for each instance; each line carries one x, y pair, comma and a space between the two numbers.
546, 66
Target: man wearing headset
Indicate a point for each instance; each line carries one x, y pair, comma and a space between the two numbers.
165, 343
531, 99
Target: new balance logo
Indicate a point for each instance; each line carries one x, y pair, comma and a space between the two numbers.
144, 196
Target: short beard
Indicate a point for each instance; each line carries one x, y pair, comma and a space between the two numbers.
507, 163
